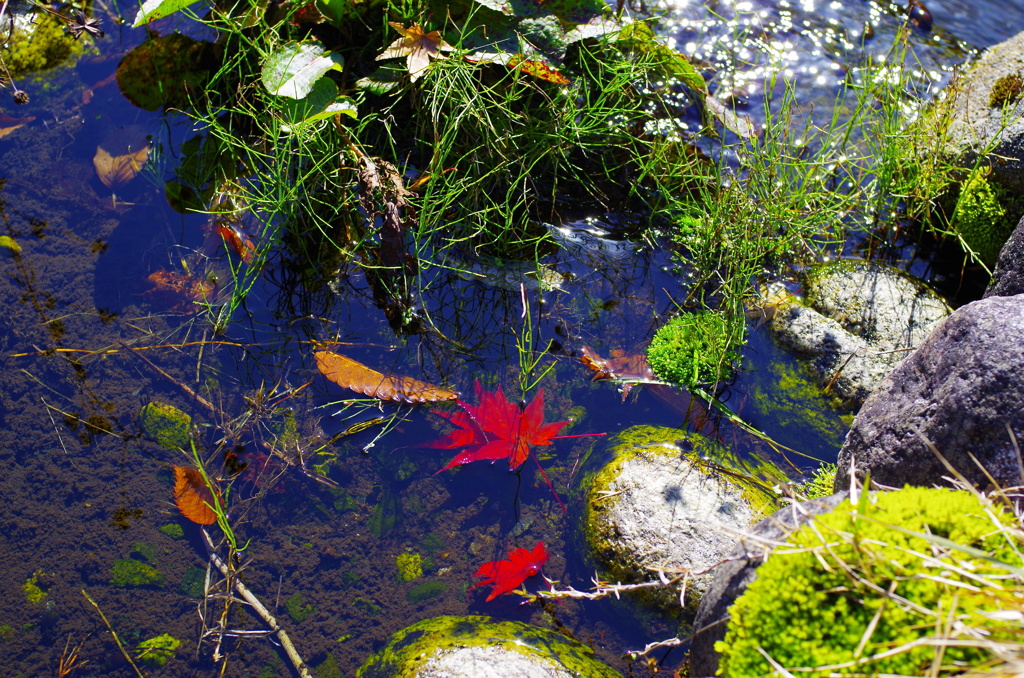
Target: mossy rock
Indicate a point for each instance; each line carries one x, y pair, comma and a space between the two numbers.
669, 498
166, 425
857, 584
466, 647
129, 572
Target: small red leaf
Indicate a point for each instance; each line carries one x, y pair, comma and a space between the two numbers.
507, 575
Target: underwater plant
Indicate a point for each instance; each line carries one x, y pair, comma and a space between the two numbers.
910, 582
985, 215
157, 651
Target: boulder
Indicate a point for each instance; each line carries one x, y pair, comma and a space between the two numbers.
856, 323
661, 503
480, 647
977, 125
960, 391
1008, 275
732, 578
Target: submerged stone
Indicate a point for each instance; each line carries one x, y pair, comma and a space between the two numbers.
856, 323
673, 500
480, 647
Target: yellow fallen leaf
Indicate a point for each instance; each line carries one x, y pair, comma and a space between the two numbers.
9, 124
418, 48
120, 156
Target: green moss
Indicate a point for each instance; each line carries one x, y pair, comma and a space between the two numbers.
128, 572
166, 425
329, 668
425, 591
697, 349
822, 482
173, 530
6, 631
33, 594
410, 566
432, 542
39, 47
814, 602
413, 644
193, 583
985, 215
297, 610
386, 514
156, 652
1006, 90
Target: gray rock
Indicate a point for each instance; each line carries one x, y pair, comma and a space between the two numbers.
654, 506
961, 389
1008, 275
858, 322
975, 125
733, 578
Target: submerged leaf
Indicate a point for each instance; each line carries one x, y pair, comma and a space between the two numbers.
293, 70
193, 496
506, 575
358, 377
152, 10
120, 156
497, 429
9, 124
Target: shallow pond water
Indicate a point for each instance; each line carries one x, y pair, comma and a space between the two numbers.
87, 342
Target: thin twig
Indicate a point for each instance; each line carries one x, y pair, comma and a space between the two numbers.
254, 602
117, 640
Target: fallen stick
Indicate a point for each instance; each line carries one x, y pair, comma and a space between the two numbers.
254, 602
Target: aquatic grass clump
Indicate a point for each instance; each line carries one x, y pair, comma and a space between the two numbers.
912, 582
696, 349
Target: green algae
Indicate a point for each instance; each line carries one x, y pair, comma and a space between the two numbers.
173, 530
297, 610
41, 46
129, 572
166, 425
415, 644
409, 565
426, 591
157, 651
193, 583
33, 593
147, 551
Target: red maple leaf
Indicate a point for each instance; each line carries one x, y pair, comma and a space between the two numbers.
507, 575
497, 429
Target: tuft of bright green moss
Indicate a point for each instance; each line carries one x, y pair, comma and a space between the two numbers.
696, 349
984, 216
297, 610
860, 579
426, 591
156, 652
173, 530
822, 482
410, 566
129, 572
1006, 90
33, 593
166, 425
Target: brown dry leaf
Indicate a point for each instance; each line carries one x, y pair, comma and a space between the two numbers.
362, 379
120, 156
627, 369
417, 47
9, 124
192, 496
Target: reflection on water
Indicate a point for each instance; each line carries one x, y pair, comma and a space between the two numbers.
86, 344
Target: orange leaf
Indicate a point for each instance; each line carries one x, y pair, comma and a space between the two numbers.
192, 496
356, 376
538, 69
121, 156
